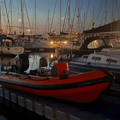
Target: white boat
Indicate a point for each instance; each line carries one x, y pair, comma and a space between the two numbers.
107, 59
45, 42
75, 46
26, 42
116, 44
8, 47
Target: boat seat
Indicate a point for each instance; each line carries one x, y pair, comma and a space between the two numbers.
43, 65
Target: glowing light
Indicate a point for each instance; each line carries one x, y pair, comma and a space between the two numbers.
65, 42
51, 55
28, 30
51, 42
62, 18
19, 20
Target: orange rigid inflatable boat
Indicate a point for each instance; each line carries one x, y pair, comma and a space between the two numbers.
77, 87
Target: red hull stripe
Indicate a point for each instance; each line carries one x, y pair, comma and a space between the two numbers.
58, 86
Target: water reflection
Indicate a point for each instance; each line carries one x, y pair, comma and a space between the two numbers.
6, 63
13, 111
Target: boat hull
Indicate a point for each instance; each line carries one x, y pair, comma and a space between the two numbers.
82, 88
12, 50
77, 67
76, 95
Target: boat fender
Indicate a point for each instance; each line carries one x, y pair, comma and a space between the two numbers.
59, 69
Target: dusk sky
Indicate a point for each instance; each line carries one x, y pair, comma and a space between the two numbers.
42, 7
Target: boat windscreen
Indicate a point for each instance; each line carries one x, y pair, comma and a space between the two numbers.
96, 44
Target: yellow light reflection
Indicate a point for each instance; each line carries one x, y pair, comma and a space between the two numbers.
51, 42
51, 56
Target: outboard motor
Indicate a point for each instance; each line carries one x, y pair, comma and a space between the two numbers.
22, 63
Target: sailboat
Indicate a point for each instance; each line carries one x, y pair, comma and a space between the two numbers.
8, 47
7, 44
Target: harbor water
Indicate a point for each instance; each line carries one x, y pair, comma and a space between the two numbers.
101, 108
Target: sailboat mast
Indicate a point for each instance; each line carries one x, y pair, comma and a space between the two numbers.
11, 15
113, 10
84, 23
0, 21
48, 18
60, 16
35, 17
69, 16
22, 17
106, 13
79, 16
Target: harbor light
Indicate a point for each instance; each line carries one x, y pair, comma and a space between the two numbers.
65, 42
19, 20
51, 56
51, 42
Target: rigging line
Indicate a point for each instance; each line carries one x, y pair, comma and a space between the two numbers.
35, 18
87, 11
18, 16
74, 15
100, 7
27, 16
4, 18
53, 16
97, 19
22, 16
117, 9
78, 26
7, 16
64, 23
81, 25
104, 9
90, 22
79, 15
32, 23
98, 11
10, 9
46, 26
109, 5
117, 28
102, 14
